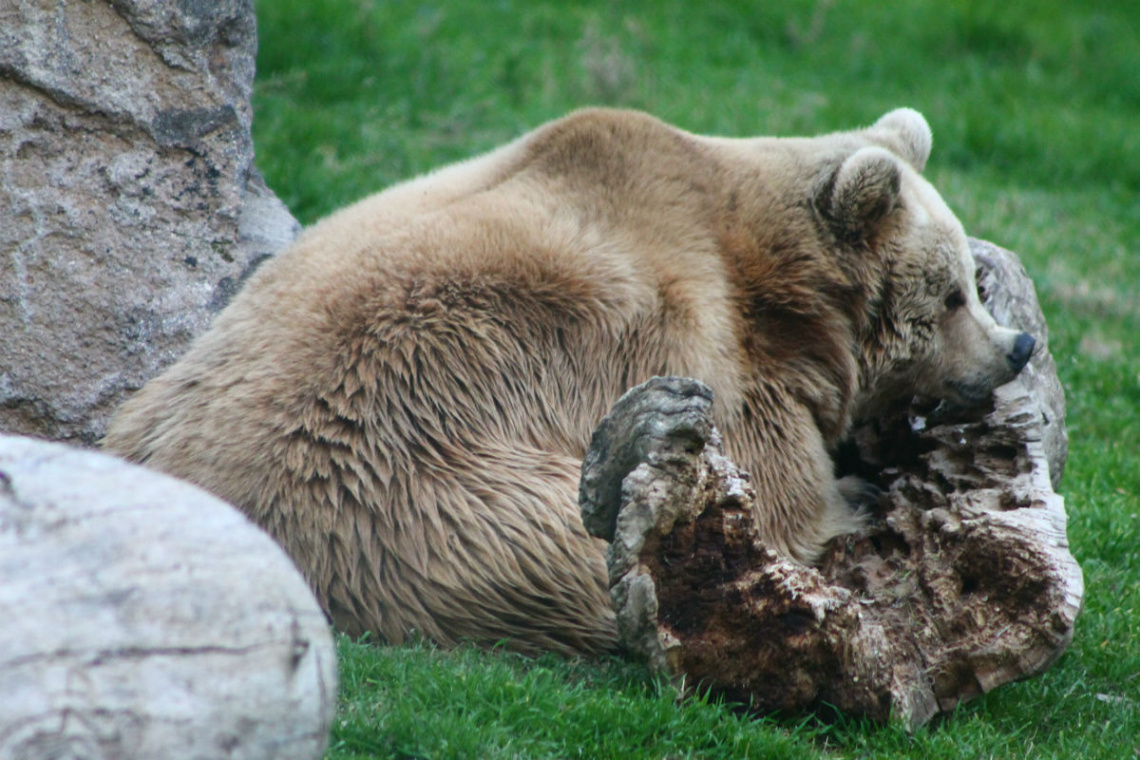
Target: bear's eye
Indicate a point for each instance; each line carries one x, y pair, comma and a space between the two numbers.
955, 300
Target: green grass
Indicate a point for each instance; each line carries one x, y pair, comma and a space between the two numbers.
1036, 110
421, 702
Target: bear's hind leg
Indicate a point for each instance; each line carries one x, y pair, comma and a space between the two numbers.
488, 548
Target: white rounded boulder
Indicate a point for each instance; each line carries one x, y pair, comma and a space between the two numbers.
142, 617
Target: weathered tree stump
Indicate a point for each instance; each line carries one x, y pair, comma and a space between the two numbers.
143, 618
1008, 294
962, 582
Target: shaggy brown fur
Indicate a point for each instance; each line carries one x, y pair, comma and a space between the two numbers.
403, 397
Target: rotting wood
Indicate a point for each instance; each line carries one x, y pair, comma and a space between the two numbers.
962, 582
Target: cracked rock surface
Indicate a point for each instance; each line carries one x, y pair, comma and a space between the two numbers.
143, 617
130, 208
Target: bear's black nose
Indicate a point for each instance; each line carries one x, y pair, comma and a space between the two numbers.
1022, 350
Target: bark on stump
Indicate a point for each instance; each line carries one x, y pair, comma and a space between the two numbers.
1009, 295
143, 618
963, 582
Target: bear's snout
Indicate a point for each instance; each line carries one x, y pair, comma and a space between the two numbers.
1022, 350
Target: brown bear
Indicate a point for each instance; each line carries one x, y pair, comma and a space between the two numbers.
403, 398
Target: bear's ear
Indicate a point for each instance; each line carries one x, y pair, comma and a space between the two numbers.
905, 131
864, 190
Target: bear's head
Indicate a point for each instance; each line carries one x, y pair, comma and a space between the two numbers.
927, 333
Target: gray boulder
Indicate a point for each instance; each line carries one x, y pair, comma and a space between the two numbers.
130, 208
141, 617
